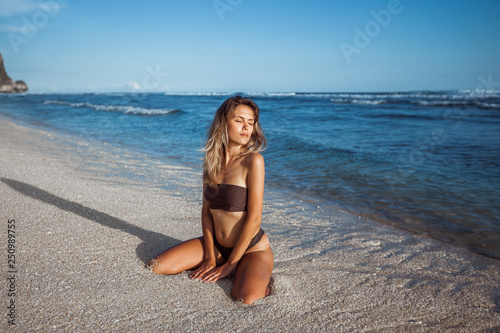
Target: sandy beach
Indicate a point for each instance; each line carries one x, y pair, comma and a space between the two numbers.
84, 231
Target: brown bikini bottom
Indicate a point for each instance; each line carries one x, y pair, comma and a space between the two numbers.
226, 251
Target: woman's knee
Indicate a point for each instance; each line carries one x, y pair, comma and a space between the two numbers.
154, 267
247, 296
161, 266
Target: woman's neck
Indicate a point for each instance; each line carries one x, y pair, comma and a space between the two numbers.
232, 153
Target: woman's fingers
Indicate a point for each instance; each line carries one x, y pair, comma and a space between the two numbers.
208, 275
201, 271
195, 274
216, 273
211, 278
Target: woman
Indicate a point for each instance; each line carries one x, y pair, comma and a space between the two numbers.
233, 193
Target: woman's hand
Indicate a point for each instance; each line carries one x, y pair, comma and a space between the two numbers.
205, 268
217, 273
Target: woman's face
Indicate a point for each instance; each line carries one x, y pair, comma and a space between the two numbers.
240, 125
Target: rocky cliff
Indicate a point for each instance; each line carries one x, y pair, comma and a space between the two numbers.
7, 85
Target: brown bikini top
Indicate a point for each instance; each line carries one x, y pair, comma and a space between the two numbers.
227, 197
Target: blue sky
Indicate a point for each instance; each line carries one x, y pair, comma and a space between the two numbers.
250, 45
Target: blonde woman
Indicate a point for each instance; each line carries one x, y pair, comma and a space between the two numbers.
233, 194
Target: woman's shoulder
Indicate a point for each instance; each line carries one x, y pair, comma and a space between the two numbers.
253, 160
255, 169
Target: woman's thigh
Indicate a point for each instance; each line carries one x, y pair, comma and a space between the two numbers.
252, 276
181, 257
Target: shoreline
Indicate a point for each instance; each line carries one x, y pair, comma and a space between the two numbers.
85, 231
446, 195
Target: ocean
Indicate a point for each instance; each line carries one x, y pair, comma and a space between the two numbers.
424, 161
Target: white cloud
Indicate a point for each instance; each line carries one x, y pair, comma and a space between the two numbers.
16, 7
135, 85
129, 87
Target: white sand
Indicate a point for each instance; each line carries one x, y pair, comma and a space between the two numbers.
83, 234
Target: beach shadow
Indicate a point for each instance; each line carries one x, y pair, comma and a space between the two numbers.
152, 242
495, 297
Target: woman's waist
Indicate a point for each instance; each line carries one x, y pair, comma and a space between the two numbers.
226, 234
228, 227
230, 240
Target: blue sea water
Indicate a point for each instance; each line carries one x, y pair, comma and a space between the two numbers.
428, 162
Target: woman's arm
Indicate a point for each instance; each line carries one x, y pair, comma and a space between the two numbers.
207, 225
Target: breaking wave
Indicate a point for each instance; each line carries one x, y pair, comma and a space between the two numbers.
126, 109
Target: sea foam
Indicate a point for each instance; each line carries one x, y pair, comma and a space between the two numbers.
127, 109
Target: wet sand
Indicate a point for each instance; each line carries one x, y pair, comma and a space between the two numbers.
83, 232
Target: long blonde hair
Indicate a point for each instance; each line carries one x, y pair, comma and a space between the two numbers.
214, 161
